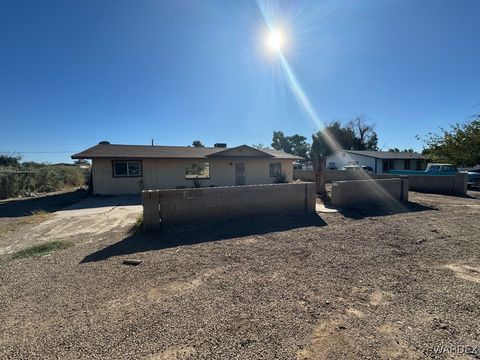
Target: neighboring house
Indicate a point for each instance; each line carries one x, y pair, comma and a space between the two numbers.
124, 169
379, 161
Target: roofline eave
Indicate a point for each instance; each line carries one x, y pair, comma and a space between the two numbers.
90, 157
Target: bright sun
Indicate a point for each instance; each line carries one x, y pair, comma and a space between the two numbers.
275, 40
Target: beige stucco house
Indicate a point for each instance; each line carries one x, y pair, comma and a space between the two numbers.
126, 169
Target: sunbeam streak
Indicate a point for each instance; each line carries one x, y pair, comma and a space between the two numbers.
304, 101
275, 42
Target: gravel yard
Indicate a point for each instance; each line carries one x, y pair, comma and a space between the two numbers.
326, 286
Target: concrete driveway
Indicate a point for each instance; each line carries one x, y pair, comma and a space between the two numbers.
94, 215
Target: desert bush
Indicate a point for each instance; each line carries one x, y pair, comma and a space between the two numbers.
137, 226
197, 183
33, 177
280, 178
42, 249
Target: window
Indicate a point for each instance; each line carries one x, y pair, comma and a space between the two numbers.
419, 165
197, 170
131, 168
406, 164
449, 168
332, 166
275, 168
388, 165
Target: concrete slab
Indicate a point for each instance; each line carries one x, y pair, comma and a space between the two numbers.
94, 215
321, 208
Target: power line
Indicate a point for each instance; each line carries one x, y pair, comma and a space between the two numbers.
38, 152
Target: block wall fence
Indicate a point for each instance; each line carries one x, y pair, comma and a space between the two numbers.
435, 184
353, 194
179, 206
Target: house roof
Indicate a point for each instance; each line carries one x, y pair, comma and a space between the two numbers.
174, 152
386, 155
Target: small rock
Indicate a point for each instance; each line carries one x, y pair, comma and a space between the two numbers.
132, 262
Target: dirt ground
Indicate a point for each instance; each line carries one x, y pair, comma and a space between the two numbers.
332, 285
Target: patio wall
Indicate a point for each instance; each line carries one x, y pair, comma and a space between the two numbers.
455, 184
359, 193
205, 204
304, 175
440, 184
342, 175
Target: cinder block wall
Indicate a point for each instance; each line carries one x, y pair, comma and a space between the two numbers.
305, 175
359, 193
436, 184
440, 184
343, 175
204, 204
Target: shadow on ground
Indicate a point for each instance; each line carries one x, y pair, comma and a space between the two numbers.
199, 233
385, 210
48, 203
107, 201
474, 193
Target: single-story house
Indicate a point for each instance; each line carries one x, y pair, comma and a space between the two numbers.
379, 161
125, 169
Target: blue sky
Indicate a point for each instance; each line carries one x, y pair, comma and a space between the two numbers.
73, 73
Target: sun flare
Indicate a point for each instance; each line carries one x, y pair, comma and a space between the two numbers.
275, 40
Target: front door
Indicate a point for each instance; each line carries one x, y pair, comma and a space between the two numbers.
240, 173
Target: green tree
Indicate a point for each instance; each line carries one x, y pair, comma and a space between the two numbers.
398, 150
280, 142
197, 143
357, 134
325, 141
81, 162
10, 159
459, 145
295, 144
365, 137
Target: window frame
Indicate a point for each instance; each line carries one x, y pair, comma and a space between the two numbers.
201, 177
388, 162
140, 162
270, 168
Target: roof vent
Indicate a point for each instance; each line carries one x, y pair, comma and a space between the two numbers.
104, 142
220, 145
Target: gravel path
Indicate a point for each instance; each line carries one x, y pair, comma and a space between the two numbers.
345, 285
